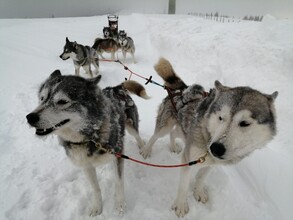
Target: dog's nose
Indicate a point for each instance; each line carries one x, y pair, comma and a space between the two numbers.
60, 56
32, 118
218, 150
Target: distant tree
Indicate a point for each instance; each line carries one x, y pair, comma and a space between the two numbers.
245, 17
251, 18
216, 16
261, 17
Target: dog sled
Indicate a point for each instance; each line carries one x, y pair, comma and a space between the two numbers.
113, 25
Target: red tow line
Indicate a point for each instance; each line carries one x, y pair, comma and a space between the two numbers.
200, 160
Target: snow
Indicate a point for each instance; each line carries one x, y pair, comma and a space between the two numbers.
39, 182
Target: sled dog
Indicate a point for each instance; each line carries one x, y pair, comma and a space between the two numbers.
223, 127
82, 56
108, 45
126, 44
107, 32
90, 124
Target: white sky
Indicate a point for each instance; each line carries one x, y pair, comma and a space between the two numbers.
66, 8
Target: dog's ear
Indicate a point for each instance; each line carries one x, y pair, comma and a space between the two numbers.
95, 80
67, 40
55, 74
273, 96
220, 87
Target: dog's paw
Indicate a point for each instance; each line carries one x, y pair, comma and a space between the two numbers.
145, 152
140, 144
120, 208
175, 148
95, 210
200, 194
180, 208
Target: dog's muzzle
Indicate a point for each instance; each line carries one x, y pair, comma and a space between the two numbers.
218, 150
33, 119
62, 57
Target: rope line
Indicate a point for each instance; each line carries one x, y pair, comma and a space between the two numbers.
116, 152
148, 80
200, 160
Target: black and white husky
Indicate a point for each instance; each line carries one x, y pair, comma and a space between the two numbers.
89, 123
82, 56
224, 127
126, 44
107, 32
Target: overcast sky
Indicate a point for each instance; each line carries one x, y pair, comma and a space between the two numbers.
67, 8
277, 8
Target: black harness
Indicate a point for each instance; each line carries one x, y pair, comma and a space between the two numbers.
82, 61
94, 147
178, 92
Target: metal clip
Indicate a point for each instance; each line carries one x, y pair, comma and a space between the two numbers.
100, 147
203, 158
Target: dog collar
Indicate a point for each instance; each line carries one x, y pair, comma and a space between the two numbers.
95, 147
75, 143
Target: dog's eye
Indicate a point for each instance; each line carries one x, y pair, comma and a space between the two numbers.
244, 124
62, 102
220, 118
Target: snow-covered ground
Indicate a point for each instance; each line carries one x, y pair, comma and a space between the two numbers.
38, 181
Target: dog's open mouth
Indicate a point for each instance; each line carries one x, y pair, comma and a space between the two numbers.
49, 130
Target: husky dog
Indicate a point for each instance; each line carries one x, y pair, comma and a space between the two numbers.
223, 127
89, 123
166, 121
108, 45
107, 32
126, 44
81, 55
111, 32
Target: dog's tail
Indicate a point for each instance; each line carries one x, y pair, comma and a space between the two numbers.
135, 88
166, 71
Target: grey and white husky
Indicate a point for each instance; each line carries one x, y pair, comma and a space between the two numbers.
89, 123
224, 127
126, 44
82, 56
